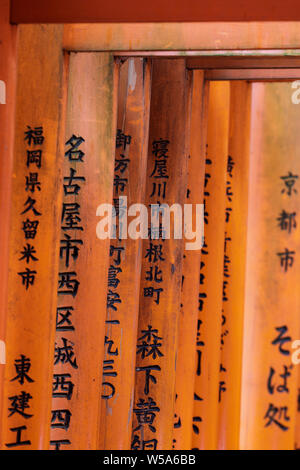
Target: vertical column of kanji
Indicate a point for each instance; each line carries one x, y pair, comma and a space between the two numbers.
33, 240
269, 383
234, 265
153, 406
205, 418
83, 268
7, 107
125, 255
186, 357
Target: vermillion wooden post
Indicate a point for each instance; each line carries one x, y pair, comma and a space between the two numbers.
162, 260
7, 106
269, 386
205, 418
80, 317
33, 240
125, 256
234, 265
297, 427
186, 356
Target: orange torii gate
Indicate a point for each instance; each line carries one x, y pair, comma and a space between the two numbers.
185, 85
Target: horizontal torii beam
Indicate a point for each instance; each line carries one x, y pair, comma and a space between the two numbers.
95, 11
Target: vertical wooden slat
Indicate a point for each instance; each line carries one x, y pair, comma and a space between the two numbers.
32, 281
205, 418
7, 108
83, 267
125, 256
269, 384
162, 261
234, 265
297, 427
186, 356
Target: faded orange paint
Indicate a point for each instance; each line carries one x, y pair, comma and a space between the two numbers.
272, 296
31, 312
91, 114
182, 36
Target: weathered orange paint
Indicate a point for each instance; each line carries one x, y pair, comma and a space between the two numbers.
182, 36
91, 114
133, 121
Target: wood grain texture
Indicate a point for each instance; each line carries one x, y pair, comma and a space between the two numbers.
7, 108
186, 355
182, 36
31, 312
124, 278
91, 115
162, 259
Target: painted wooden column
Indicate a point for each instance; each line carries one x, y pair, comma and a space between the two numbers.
33, 240
7, 108
235, 247
186, 356
269, 382
162, 260
125, 255
205, 418
87, 182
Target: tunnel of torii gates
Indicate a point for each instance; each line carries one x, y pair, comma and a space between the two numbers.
141, 343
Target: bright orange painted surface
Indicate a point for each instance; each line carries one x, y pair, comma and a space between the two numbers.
235, 247
186, 356
205, 417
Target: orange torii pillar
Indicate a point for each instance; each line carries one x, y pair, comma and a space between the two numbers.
206, 407
87, 181
125, 255
269, 382
7, 108
234, 265
162, 259
34, 238
186, 356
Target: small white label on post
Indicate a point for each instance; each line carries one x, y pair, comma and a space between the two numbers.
2, 92
2, 352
